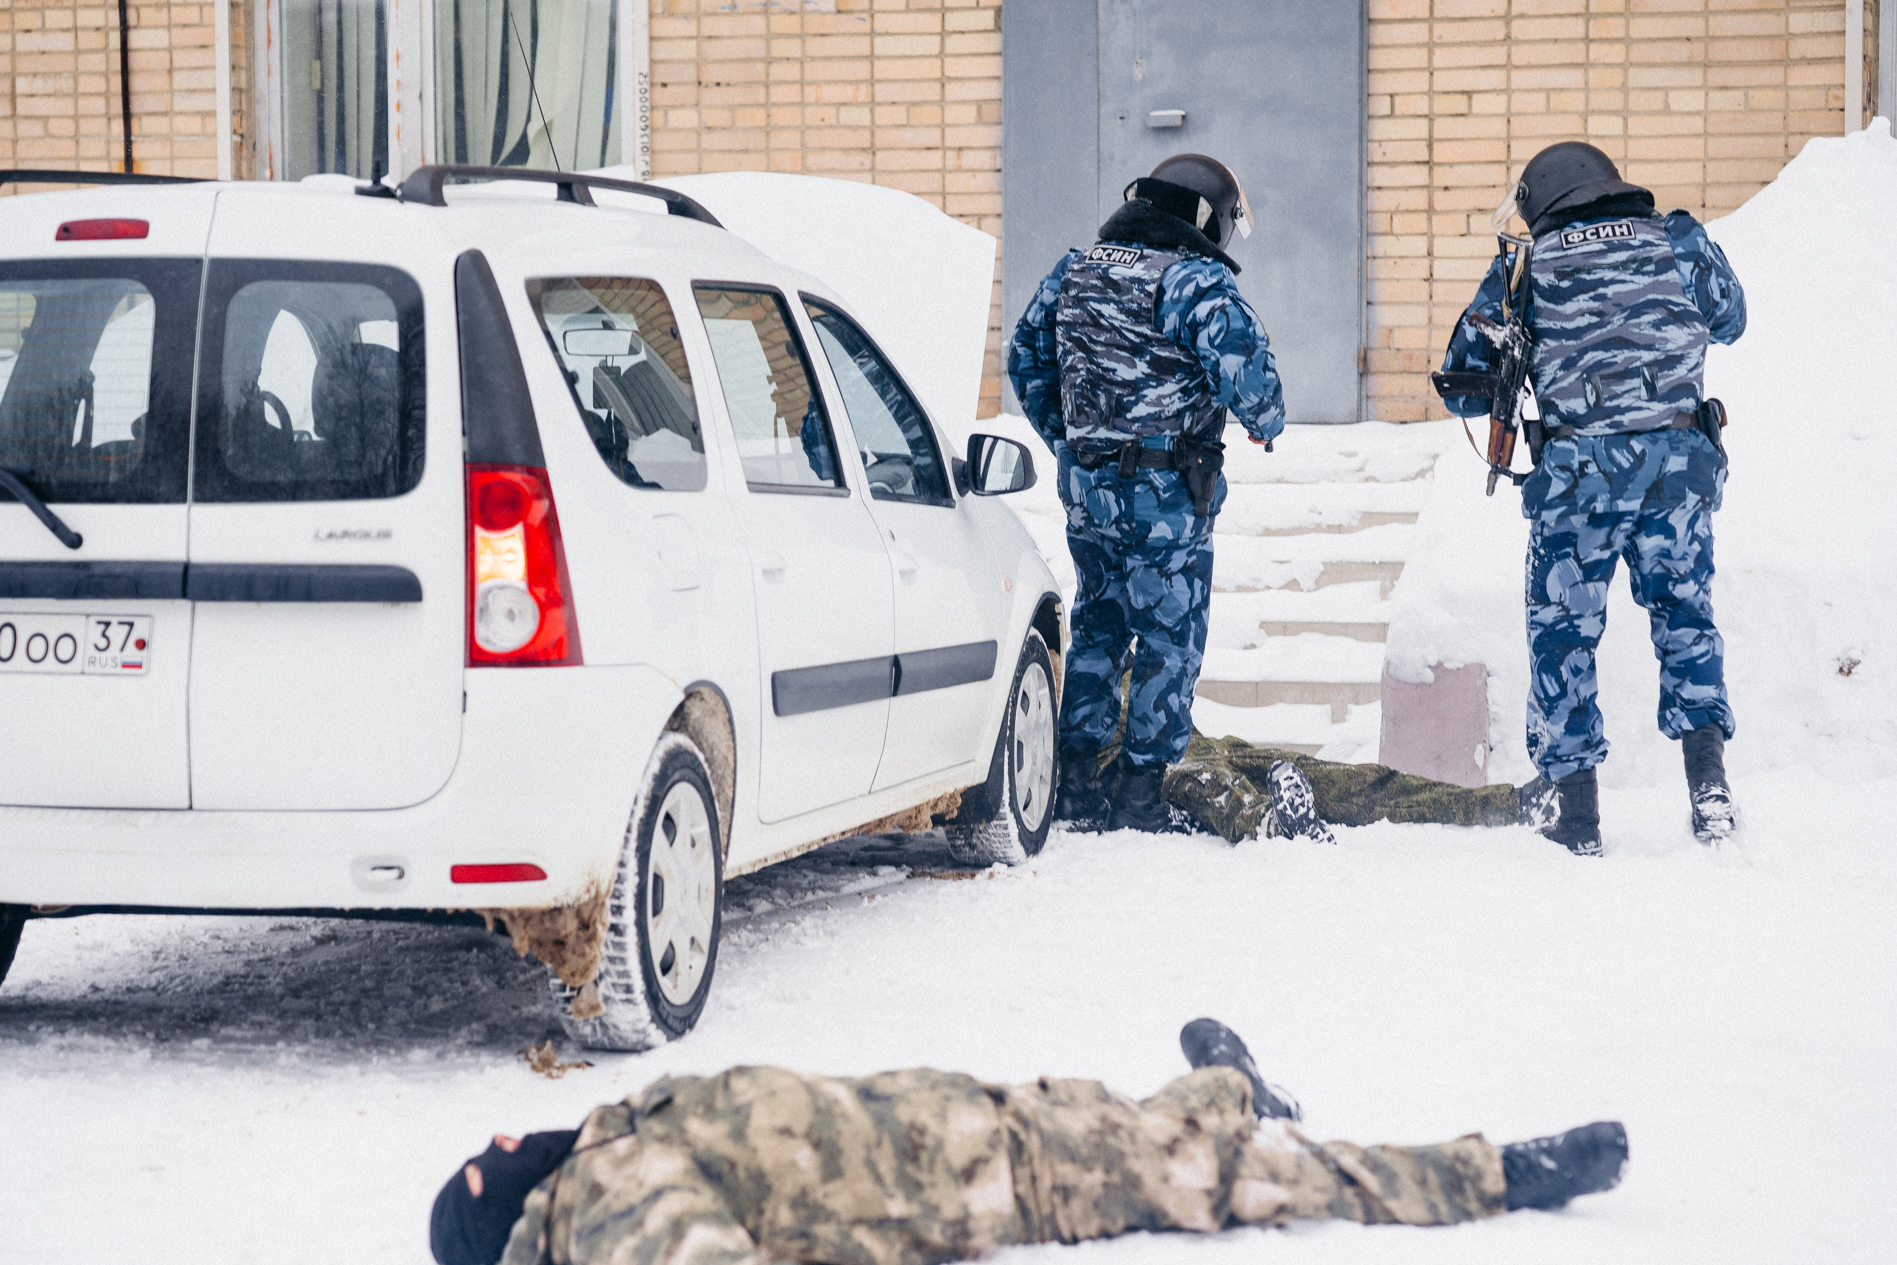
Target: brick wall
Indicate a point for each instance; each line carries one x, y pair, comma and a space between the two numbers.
1703, 101
60, 88
903, 93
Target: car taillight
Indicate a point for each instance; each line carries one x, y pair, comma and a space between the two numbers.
520, 603
100, 230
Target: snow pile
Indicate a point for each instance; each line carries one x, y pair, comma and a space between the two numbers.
1805, 559
919, 281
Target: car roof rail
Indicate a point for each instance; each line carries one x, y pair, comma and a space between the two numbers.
424, 185
26, 176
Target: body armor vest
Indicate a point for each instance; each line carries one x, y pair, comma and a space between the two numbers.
1619, 346
1120, 378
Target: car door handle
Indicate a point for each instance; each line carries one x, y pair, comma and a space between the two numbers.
771, 564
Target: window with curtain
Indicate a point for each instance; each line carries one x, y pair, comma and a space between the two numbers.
527, 83
336, 87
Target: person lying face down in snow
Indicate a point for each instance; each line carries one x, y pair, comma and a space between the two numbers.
1238, 792
759, 1164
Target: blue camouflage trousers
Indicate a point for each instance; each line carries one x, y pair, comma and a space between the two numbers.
1144, 567
1668, 545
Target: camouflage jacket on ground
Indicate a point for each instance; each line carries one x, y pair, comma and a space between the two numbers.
1143, 335
904, 1168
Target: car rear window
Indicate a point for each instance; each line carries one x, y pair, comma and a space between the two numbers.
95, 364
617, 343
313, 385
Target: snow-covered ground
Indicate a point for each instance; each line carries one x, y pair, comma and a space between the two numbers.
287, 1090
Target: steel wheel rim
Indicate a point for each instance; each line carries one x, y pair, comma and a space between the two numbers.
1033, 747
681, 893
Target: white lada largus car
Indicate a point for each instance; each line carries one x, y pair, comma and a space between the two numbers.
470, 551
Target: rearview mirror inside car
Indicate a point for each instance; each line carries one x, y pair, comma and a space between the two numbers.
997, 466
601, 342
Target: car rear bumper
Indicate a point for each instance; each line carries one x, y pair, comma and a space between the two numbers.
550, 762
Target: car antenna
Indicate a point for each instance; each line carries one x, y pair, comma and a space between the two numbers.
533, 93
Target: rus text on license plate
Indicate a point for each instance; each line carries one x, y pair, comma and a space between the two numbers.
105, 645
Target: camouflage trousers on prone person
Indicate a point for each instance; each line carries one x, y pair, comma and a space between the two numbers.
1143, 563
1220, 785
1668, 547
915, 1167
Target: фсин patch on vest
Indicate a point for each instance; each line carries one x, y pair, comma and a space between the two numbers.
1124, 255
1614, 231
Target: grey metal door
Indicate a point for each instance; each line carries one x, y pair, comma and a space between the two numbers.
1273, 88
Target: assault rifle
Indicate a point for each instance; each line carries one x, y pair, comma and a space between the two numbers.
1507, 384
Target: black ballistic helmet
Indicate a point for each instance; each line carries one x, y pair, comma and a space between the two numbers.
1201, 191
1571, 174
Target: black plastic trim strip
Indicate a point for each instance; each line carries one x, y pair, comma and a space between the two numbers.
25, 176
253, 582
497, 410
920, 671
796, 691
103, 581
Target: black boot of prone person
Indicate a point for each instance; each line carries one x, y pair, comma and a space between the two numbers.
1084, 798
1705, 751
1547, 1172
1209, 1043
1139, 802
1568, 811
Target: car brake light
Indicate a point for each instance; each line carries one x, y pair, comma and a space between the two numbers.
519, 872
520, 602
101, 230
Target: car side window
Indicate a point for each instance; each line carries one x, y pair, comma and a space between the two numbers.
617, 342
892, 432
783, 435
313, 386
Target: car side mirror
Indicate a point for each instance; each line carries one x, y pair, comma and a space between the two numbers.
997, 466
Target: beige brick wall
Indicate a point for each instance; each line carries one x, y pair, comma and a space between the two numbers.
1701, 100
60, 99
903, 93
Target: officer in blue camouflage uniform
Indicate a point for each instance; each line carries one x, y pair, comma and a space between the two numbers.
1126, 362
1623, 304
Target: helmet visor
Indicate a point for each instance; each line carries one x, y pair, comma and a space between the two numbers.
1241, 213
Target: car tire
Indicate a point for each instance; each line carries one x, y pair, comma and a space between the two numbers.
665, 913
12, 923
1006, 819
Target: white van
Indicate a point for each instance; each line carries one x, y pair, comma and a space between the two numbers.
442, 549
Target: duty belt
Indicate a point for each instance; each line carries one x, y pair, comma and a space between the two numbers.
1199, 460
1684, 420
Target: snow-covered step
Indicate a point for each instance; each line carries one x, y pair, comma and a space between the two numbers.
1302, 727
1285, 509
1356, 611
1370, 452
1310, 668
1255, 575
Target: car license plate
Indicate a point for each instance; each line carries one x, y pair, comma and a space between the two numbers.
104, 645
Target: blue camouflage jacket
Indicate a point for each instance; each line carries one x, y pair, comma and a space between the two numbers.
1200, 324
1631, 379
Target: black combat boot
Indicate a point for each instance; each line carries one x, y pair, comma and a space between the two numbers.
1713, 819
1138, 803
1547, 1172
1209, 1043
1294, 804
1083, 798
1568, 811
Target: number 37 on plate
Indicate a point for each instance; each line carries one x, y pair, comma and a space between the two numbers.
107, 645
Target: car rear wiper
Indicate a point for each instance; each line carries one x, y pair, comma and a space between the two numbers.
24, 495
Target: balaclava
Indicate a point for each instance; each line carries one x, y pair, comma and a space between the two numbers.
465, 1230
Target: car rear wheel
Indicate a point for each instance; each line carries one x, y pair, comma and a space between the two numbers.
664, 916
1007, 818
12, 923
